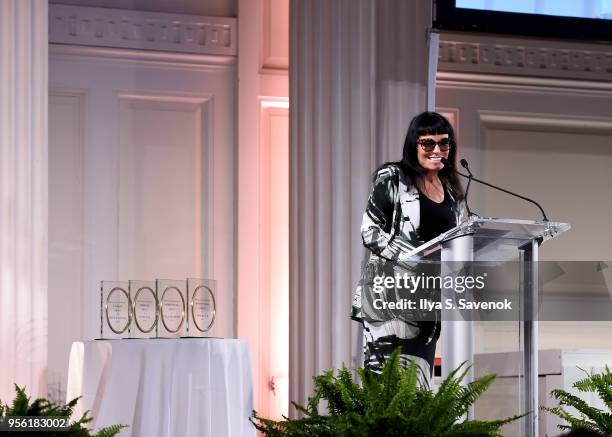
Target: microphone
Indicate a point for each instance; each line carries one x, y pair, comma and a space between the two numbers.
471, 178
464, 164
448, 164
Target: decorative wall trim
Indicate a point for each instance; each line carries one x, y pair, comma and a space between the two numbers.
181, 61
67, 309
274, 309
203, 106
524, 57
120, 28
452, 115
527, 121
513, 83
273, 61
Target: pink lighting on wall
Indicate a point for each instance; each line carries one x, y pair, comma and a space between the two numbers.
263, 203
274, 162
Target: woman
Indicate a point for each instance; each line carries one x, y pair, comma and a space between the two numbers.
412, 201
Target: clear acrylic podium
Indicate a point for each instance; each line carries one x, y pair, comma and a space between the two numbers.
495, 240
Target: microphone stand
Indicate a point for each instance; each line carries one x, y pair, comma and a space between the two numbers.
472, 178
467, 190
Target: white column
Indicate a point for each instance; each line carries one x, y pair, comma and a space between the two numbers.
356, 79
23, 191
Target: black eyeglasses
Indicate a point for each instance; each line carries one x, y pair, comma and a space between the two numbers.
429, 145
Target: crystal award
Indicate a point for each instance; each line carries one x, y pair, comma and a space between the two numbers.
172, 308
145, 309
201, 307
115, 310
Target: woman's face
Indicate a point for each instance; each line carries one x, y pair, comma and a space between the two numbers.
429, 151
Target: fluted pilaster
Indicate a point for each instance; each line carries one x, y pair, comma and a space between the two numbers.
23, 191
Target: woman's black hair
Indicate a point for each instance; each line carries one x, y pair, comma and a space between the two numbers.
429, 123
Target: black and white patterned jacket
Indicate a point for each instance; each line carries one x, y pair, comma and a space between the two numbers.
390, 226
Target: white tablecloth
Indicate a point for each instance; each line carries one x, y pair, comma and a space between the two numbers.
164, 387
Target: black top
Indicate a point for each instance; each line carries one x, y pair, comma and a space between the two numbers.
436, 218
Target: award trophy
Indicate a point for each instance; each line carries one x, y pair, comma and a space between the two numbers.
172, 308
115, 310
145, 309
201, 307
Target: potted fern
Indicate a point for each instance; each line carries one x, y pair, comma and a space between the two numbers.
22, 406
589, 417
387, 404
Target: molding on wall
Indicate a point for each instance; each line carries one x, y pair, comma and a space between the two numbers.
66, 270
119, 28
202, 101
529, 57
181, 61
527, 121
272, 62
513, 83
452, 115
203, 106
273, 372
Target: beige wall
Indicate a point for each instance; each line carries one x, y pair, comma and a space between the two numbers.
141, 181
549, 139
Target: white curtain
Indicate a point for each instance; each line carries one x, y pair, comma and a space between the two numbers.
358, 73
23, 201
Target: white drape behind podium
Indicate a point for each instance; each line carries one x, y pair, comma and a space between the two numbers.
358, 74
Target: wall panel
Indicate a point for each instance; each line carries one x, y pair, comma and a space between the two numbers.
275, 35
66, 144
161, 180
274, 199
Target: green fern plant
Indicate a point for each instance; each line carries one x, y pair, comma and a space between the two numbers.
22, 406
589, 417
387, 404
